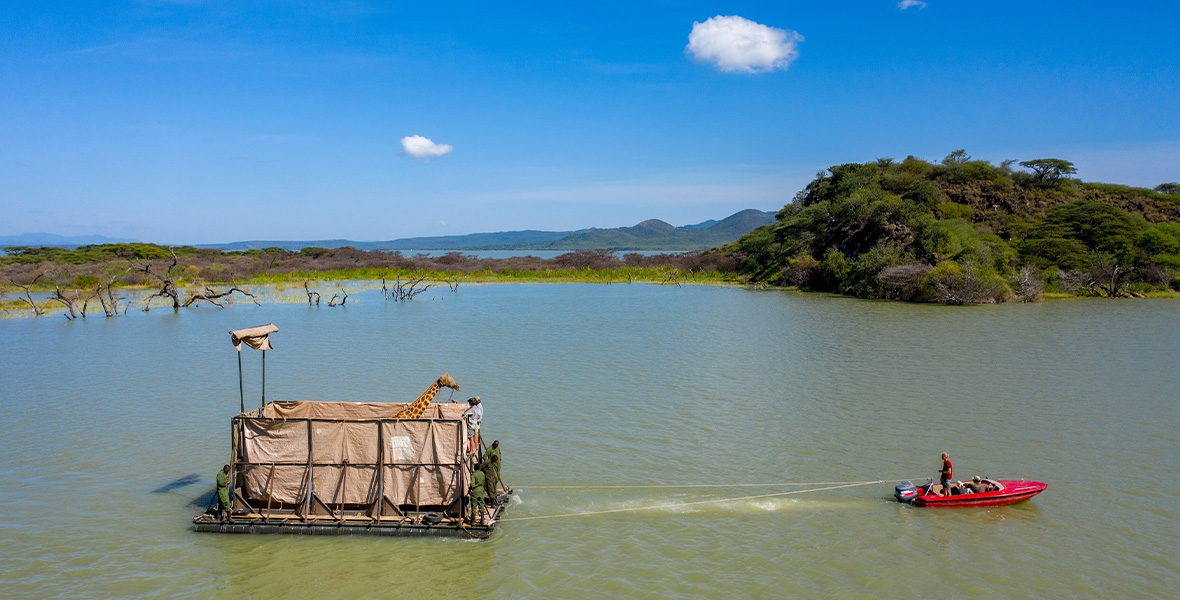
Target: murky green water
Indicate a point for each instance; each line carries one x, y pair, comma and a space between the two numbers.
593, 385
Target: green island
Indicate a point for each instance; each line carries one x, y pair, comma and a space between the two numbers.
961, 231
968, 232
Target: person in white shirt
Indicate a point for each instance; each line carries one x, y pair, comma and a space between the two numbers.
473, 415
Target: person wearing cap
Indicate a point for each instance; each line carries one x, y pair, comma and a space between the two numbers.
473, 415
976, 485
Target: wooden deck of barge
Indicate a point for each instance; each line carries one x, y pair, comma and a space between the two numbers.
355, 524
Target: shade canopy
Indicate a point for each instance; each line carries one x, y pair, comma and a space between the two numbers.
257, 338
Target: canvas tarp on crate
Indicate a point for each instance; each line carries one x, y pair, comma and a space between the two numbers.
420, 461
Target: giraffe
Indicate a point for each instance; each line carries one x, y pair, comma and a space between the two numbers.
417, 407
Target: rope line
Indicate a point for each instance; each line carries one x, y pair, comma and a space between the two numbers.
697, 503
697, 485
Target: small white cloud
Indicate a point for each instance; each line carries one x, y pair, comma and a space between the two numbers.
737, 45
420, 147
906, 4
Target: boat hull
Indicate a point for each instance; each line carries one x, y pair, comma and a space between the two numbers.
1014, 491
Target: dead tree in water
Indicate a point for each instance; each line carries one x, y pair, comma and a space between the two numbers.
167, 286
37, 310
310, 293
71, 304
213, 297
332, 302
673, 277
112, 309
407, 291
453, 284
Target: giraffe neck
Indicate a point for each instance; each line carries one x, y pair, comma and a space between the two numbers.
415, 409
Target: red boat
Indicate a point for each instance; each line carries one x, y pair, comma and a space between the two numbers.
1001, 492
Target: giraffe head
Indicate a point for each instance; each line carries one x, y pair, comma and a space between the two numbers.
447, 381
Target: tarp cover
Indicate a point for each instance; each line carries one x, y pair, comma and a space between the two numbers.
354, 411
257, 338
420, 461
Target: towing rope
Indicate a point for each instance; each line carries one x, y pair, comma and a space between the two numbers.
699, 502
698, 485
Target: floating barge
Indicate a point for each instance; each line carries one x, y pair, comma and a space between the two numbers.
348, 468
342, 468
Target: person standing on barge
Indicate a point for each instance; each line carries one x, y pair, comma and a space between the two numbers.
478, 491
493, 454
473, 415
223, 492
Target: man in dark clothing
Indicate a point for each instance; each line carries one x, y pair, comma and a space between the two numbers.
493, 454
223, 492
945, 474
976, 485
490, 467
477, 496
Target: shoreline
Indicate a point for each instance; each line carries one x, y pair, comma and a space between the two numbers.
270, 289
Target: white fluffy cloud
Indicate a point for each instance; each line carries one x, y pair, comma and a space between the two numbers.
421, 147
737, 45
904, 4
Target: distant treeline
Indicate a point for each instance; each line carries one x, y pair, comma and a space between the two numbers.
139, 265
966, 231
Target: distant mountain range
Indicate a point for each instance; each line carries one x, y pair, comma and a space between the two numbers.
55, 240
653, 234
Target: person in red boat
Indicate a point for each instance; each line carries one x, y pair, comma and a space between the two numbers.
945, 474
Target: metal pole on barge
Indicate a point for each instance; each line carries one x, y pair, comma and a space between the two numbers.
241, 387
257, 338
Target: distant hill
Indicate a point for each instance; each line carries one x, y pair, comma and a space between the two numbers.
652, 234
446, 242
60, 241
655, 234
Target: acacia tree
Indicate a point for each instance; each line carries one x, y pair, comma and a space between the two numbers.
1050, 170
1168, 188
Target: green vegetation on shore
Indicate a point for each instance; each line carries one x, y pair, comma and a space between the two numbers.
186, 275
966, 231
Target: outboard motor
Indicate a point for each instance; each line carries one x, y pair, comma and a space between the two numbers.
905, 492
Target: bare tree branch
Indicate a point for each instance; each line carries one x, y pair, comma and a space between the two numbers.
213, 297
310, 293
65, 301
37, 311
167, 286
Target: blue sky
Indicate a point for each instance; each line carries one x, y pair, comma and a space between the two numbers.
201, 122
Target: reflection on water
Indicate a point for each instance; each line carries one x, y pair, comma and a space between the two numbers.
619, 384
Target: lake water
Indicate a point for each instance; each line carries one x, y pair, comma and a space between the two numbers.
620, 384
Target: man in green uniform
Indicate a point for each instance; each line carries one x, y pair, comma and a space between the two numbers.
489, 466
477, 493
223, 492
493, 456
